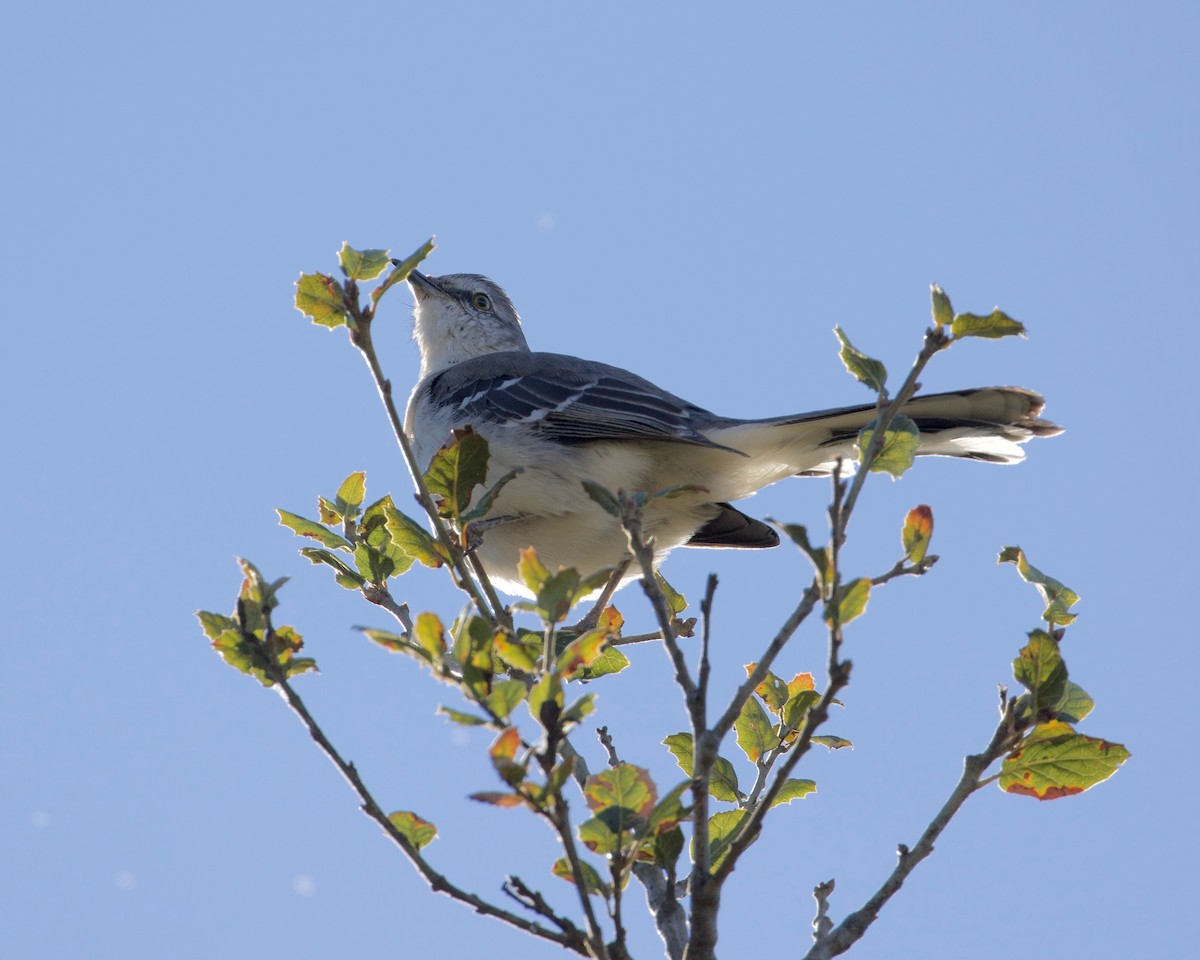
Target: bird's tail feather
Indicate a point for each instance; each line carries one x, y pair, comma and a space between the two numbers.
987, 423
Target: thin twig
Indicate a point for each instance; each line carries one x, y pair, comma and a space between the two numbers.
437, 881
559, 817
530, 899
848, 932
360, 336
901, 569
592, 617
379, 595
607, 743
637, 638
643, 553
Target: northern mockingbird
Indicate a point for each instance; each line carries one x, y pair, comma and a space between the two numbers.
565, 420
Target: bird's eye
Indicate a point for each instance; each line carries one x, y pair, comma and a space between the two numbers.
480, 301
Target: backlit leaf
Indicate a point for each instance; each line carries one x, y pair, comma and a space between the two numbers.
320, 297
918, 529
722, 784
865, 369
591, 879
1059, 599
995, 325
414, 829
308, 528
755, 733
362, 264
351, 494
1040, 669
505, 696
794, 790
900, 443
1055, 762
819, 556
456, 470
850, 602
943, 313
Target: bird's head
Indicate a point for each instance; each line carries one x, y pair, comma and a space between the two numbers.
461, 316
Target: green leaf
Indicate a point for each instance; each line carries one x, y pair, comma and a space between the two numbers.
1074, 704
849, 602
431, 635
516, 654
1040, 669
466, 719
215, 624
796, 709
378, 555
505, 696
722, 784
772, 689
669, 811
865, 369
581, 652
833, 743
546, 701
456, 470
392, 642
599, 837
755, 733
917, 532
362, 264
794, 790
591, 879
245, 641
408, 536
676, 601
483, 506
1054, 761
603, 497
351, 494
624, 786
622, 798
532, 571
321, 298
328, 512
308, 528
579, 709
1059, 599
497, 799
344, 574
900, 443
722, 828
995, 325
612, 660
557, 594
403, 269
819, 556
943, 313
415, 830
667, 847
503, 753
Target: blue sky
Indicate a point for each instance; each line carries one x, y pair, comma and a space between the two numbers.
698, 194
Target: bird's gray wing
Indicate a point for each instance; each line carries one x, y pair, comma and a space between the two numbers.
567, 400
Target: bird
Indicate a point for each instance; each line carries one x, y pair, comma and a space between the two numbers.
564, 420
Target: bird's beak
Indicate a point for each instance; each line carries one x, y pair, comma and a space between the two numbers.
422, 287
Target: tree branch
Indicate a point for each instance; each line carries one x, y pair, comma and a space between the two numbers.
468, 570
848, 932
437, 881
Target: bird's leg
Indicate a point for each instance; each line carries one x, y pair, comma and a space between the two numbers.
477, 528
